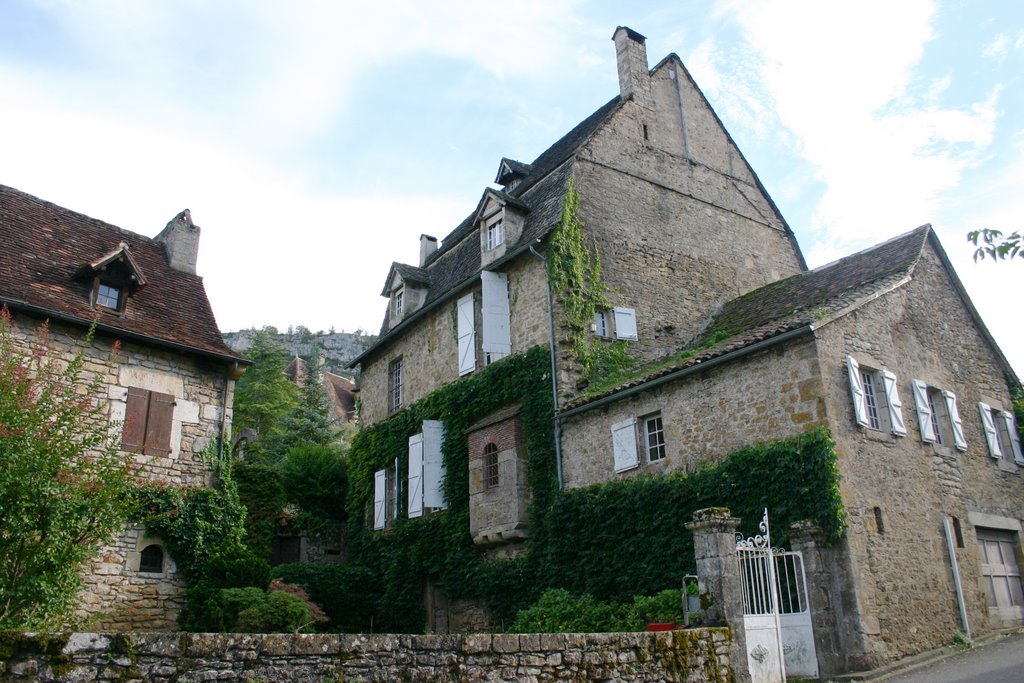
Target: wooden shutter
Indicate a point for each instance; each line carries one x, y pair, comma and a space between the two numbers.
1011, 430
924, 412
158, 424
625, 323
433, 465
892, 401
497, 337
415, 475
380, 483
954, 418
467, 335
624, 445
133, 434
860, 401
991, 437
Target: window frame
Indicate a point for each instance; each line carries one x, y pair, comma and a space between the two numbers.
871, 400
491, 467
654, 427
938, 414
494, 235
601, 323
148, 422
398, 303
150, 567
396, 385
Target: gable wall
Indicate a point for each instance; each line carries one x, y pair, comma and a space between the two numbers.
115, 593
919, 331
429, 347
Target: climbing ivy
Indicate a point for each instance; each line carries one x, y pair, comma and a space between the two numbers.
574, 271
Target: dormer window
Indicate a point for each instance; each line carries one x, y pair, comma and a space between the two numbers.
495, 233
399, 296
108, 296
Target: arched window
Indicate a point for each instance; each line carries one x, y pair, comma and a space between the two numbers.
152, 560
490, 466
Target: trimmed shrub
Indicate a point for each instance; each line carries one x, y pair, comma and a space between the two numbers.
348, 594
559, 611
278, 612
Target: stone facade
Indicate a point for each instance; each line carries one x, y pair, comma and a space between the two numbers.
697, 656
116, 594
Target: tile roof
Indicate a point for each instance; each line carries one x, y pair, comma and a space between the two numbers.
790, 304
457, 260
43, 248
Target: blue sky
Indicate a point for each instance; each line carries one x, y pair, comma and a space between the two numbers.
315, 141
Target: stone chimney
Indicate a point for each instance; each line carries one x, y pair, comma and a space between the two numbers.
631, 55
181, 242
428, 245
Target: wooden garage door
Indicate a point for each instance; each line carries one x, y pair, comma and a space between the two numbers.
1001, 572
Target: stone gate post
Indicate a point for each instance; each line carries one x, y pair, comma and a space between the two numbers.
714, 547
805, 536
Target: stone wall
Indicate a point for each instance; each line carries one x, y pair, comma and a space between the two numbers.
766, 396
898, 490
696, 655
116, 595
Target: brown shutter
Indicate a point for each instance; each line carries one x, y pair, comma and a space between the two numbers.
134, 432
158, 424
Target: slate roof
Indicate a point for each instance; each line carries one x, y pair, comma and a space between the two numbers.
794, 303
457, 260
43, 248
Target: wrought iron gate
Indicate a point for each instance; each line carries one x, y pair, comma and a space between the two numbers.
776, 613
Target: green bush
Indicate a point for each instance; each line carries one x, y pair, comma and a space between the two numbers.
237, 567
559, 611
662, 607
348, 594
211, 609
261, 492
278, 612
316, 479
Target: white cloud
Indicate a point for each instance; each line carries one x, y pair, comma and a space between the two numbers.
998, 48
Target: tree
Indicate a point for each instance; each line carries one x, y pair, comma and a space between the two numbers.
311, 420
264, 396
64, 482
994, 245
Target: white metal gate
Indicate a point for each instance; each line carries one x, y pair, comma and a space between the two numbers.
776, 613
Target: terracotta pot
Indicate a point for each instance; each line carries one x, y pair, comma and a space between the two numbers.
661, 626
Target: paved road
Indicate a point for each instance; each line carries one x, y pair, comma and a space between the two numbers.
998, 662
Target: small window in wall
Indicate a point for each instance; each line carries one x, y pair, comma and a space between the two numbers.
876, 399
1001, 434
654, 433
491, 472
148, 418
152, 559
399, 303
108, 296
395, 385
495, 234
601, 323
938, 416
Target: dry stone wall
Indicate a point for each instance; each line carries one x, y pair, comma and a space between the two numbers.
696, 656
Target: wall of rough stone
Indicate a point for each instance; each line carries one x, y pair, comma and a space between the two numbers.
765, 396
116, 595
429, 348
905, 587
697, 656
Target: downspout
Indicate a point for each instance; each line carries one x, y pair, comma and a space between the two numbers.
554, 370
228, 378
951, 546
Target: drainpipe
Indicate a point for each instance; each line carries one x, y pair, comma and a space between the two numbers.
956, 576
554, 370
231, 373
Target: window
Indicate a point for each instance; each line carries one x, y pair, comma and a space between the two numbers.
495, 234
399, 296
148, 419
385, 496
1001, 434
938, 417
426, 469
601, 323
495, 327
491, 474
152, 560
655, 438
395, 384
876, 399
108, 296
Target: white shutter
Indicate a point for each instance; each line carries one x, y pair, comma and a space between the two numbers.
433, 465
892, 400
624, 445
954, 418
860, 401
1011, 430
990, 430
625, 323
924, 412
497, 338
380, 479
416, 476
467, 335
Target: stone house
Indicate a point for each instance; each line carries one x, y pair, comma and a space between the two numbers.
169, 393
884, 348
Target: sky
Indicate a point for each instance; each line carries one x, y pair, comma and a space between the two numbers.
314, 142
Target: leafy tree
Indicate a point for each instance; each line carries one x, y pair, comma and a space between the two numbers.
994, 245
264, 396
63, 478
311, 420
315, 478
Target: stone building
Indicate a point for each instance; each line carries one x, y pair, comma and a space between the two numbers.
169, 392
884, 348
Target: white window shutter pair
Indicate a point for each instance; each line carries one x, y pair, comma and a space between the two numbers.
426, 469
497, 339
988, 423
625, 323
466, 330
860, 402
624, 445
380, 479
